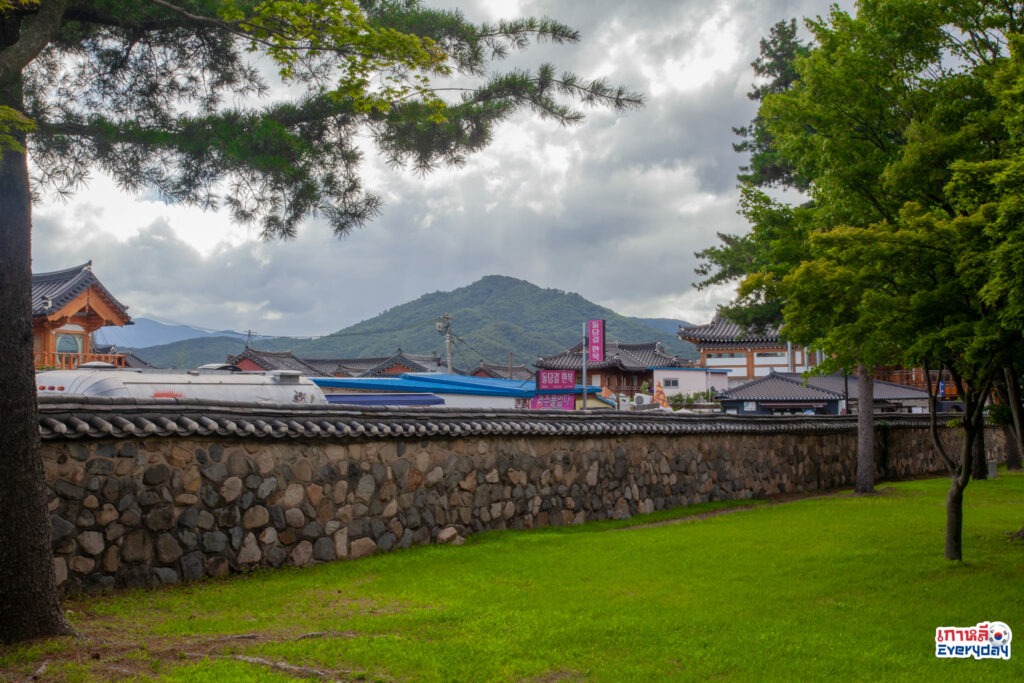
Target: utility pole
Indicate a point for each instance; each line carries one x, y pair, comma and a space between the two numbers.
444, 328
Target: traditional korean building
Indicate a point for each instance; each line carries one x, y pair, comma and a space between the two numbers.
624, 370
888, 397
499, 371
724, 345
264, 361
67, 307
378, 366
778, 395
781, 393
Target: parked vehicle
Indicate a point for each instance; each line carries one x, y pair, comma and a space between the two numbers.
278, 386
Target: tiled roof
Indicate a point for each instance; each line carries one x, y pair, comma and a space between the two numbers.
130, 359
627, 357
836, 383
775, 387
325, 367
274, 360
502, 371
376, 366
721, 329
109, 418
52, 291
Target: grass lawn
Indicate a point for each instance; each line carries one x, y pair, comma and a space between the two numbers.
833, 587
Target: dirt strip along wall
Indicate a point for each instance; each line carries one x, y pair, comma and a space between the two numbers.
141, 508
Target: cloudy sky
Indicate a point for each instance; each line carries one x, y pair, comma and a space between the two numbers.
613, 208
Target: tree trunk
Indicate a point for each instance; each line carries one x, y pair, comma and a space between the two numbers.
973, 422
29, 601
865, 430
1013, 395
980, 458
1012, 448
955, 520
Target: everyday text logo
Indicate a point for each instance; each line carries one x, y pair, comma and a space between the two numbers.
987, 640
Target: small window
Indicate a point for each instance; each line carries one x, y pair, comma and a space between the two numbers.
673, 383
69, 343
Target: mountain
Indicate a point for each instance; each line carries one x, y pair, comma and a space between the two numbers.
491, 318
191, 353
668, 326
145, 332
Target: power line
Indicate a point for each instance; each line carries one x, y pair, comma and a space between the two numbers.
255, 333
444, 327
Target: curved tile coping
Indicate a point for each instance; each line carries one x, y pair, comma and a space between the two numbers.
105, 418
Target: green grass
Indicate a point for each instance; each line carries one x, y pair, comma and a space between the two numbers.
838, 587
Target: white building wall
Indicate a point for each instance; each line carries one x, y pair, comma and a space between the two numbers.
686, 381
764, 362
470, 401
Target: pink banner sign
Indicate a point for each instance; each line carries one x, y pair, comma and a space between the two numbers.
553, 402
556, 379
595, 345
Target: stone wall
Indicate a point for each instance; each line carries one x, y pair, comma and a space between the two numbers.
144, 495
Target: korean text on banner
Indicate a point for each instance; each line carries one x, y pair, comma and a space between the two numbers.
556, 379
595, 346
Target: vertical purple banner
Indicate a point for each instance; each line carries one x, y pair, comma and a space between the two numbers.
595, 333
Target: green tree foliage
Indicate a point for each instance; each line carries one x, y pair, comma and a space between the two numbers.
171, 97
904, 118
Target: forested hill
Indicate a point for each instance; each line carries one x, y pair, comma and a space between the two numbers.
490, 318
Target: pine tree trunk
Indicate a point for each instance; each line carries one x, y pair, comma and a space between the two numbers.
865, 430
29, 601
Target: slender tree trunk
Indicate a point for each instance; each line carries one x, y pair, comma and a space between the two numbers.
955, 499
29, 602
865, 430
1012, 448
980, 458
955, 520
1013, 456
973, 422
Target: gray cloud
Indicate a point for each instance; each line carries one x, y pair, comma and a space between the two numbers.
612, 209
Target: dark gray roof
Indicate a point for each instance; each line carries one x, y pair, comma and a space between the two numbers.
273, 360
325, 367
723, 330
52, 291
617, 355
130, 359
778, 388
108, 418
497, 370
884, 391
376, 366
